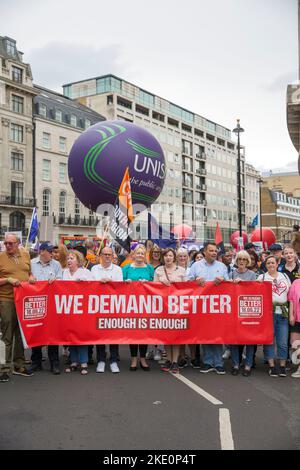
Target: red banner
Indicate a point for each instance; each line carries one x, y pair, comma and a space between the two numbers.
145, 313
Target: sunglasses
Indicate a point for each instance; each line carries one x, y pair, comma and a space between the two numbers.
9, 243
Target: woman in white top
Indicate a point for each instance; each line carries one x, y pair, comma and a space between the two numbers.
280, 288
75, 272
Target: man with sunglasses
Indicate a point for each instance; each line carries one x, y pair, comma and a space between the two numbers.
14, 269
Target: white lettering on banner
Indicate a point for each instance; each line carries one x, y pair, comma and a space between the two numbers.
106, 304
68, 304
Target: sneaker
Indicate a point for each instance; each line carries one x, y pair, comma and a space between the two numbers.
206, 368
296, 374
4, 377
149, 355
273, 372
166, 367
235, 371
113, 367
220, 370
175, 368
195, 363
182, 363
22, 371
100, 367
157, 356
247, 372
282, 371
226, 354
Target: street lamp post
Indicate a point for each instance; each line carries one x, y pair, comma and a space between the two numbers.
238, 129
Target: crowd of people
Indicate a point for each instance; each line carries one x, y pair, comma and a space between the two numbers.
280, 266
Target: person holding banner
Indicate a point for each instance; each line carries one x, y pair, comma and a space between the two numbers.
76, 272
242, 273
167, 274
209, 269
107, 271
280, 288
45, 268
155, 256
294, 321
14, 268
139, 270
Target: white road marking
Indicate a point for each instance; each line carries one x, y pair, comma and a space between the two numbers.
198, 390
225, 430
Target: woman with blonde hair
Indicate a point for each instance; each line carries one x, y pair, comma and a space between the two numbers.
138, 270
60, 254
155, 256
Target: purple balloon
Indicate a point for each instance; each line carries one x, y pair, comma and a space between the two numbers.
100, 155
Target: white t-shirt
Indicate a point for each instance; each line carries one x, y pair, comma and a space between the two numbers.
280, 288
113, 272
82, 273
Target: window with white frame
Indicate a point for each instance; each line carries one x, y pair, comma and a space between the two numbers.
42, 110
46, 170
62, 204
62, 144
16, 132
46, 140
17, 104
46, 202
17, 161
73, 120
62, 173
58, 115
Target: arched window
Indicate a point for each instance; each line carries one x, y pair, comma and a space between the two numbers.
46, 201
17, 221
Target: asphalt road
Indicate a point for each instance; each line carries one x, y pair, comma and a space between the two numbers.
152, 411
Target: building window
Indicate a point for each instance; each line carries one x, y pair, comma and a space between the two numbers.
17, 74
16, 192
17, 103
62, 204
58, 115
16, 133
77, 209
46, 140
17, 161
125, 103
73, 120
46, 202
62, 144
110, 99
46, 170
87, 123
10, 47
42, 110
17, 221
62, 173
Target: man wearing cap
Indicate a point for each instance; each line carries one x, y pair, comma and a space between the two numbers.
275, 250
14, 269
45, 268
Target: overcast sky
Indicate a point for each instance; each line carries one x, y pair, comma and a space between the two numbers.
222, 59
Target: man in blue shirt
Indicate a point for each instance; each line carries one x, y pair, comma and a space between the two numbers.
209, 269
45, 268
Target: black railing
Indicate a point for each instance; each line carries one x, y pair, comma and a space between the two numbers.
16, 201
84, 221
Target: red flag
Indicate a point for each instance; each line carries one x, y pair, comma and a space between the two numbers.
219, 238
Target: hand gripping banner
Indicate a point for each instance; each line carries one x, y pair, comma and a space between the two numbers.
89, 312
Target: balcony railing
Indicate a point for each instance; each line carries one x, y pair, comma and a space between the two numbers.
83, 221
16, 201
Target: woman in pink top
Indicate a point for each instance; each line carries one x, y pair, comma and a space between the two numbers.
167, 274
294, 320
